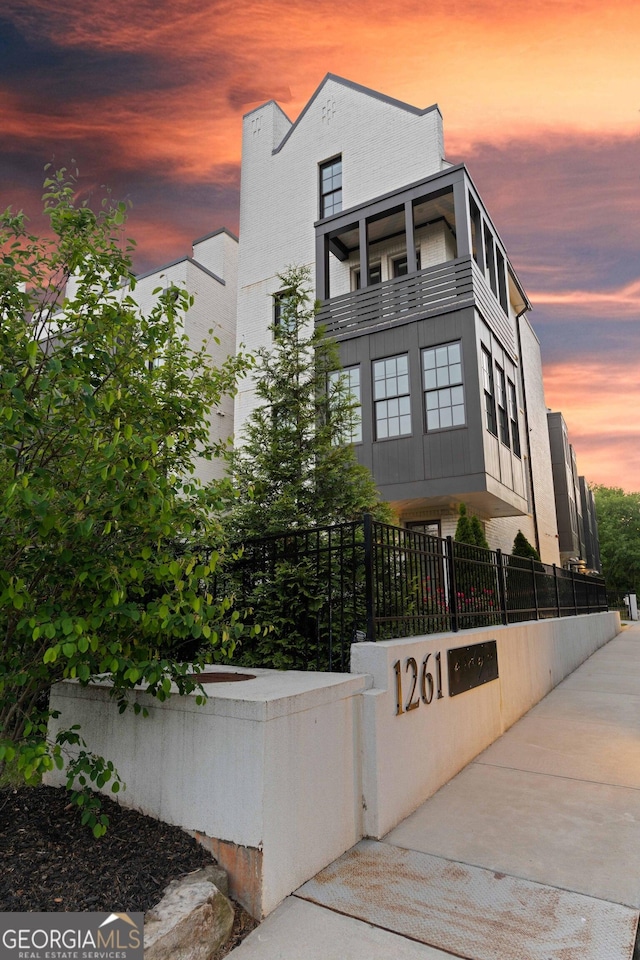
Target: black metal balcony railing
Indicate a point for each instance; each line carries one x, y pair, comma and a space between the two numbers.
445, 286
324, 588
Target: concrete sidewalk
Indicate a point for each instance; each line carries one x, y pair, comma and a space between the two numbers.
531, 853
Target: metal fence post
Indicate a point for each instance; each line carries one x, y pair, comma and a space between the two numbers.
367, 522
575, 596
555, 580
453, 589
535, 588
502, 588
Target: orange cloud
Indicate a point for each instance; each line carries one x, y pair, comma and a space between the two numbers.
622, 303
498, 71
599, 400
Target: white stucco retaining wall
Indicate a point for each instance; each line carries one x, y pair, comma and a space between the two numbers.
288, 770
407, 757
269, 764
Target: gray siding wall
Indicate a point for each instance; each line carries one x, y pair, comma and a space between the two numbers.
444, 463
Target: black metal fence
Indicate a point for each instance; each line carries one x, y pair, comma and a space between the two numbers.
321, 589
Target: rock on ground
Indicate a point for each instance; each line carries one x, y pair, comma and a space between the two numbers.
191, 921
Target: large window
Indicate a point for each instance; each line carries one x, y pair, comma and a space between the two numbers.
443, 390
349, 381
489, 396
391, 397
331, 187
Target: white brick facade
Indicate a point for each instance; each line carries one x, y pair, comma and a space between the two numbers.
210, 276
383, 146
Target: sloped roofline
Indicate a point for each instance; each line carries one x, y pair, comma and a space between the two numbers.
215, 233
174, 263
367, 91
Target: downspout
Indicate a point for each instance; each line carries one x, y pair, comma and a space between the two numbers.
527, 428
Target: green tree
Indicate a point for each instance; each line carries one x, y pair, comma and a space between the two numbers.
522, 548
618, 515
464, 533
108, 545
296, 466
296, 469
469, 529
478, 532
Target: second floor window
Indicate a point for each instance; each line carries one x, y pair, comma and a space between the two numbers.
443, 390
513, 416
489, 395
503, 416
391, 397
330, 187
349, 381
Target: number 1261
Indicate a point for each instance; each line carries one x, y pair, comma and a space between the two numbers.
422, 683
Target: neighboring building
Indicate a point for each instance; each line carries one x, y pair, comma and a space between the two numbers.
416, 286
575, 505
210, 276
590, 525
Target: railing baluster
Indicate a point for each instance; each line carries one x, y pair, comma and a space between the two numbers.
367, 523
502, 591
535, 588
453, 588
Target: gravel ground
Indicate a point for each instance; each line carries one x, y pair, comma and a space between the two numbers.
50, 862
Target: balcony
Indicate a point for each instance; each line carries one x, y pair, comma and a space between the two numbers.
472, 268
439, 289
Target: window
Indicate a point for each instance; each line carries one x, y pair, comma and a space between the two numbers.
443, 390
331, 187
400, 266
282, 320
513, 416
527, 480
375, 275
489, 399
491, 260
502, 282
391, 397
431, 528
349, 379
476, 232
503, 417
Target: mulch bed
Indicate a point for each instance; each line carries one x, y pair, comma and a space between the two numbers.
50, 862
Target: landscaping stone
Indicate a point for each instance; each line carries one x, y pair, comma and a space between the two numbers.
191, 922
211, 872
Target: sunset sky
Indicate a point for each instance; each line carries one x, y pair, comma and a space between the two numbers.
541, 100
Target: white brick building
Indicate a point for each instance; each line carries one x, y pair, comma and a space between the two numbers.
210, 276
416, 286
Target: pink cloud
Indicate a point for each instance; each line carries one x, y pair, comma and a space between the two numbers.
600, 400
622, 303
